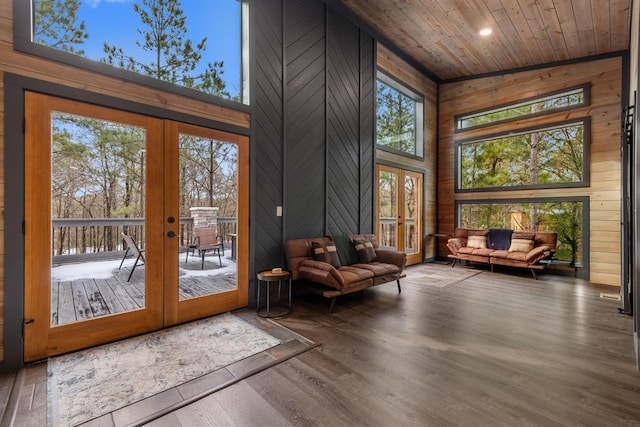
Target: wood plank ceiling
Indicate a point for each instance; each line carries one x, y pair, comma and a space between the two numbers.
442, 35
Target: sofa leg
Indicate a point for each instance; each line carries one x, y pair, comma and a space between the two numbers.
454, 262
333, 304
399, 288
491, 268
533, 272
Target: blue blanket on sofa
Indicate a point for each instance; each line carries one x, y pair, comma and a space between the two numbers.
499, 238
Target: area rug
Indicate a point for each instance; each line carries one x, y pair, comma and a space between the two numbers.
86, 384
438, 275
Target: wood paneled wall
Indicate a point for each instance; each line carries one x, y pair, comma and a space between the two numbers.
392, 65
605, 188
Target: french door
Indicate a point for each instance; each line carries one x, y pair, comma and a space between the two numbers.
399, 211
108, 196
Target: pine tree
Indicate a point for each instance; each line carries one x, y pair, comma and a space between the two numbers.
175, 57
55, 25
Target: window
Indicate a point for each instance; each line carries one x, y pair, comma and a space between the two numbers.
565, 216
399, 118
553, 156
195, 45
570, 98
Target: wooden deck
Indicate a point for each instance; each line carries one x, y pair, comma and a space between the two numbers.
87, 298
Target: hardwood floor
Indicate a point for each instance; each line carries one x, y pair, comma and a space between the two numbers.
492, 349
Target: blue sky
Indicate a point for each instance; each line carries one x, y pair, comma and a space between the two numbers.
115, 22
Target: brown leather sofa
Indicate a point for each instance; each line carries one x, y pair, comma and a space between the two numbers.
466, 244
349, 277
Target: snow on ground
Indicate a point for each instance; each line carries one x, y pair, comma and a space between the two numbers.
107, 269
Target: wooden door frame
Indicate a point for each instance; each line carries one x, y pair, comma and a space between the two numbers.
43, 340
178, 311
401, 172
14, 116
162, 304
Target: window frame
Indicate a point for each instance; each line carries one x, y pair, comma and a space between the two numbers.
22, 22
586, 209
586, 101
586, 161
412, 94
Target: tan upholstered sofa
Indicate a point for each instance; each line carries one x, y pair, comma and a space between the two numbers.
350, 274
503, 247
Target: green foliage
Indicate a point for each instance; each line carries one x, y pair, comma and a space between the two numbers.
174, 57
511, 112
565, 218
395, 120
387, 194
548, 156
55, 25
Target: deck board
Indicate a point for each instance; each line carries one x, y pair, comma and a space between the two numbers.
96, 300
88, 298
113, 303
66, 311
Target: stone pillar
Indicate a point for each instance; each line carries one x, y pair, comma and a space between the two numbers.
204, 216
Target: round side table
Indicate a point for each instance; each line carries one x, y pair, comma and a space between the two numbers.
269, 277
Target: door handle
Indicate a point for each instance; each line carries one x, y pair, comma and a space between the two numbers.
171, 234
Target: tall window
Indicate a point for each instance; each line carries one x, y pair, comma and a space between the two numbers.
197, 45
555, 155
567, 217
399, 118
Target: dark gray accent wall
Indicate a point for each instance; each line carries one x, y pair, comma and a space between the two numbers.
313, 77
305, 105
343, 125
367, 132
268, 132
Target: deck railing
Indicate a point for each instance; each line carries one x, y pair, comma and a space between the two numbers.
75, 239
389, 232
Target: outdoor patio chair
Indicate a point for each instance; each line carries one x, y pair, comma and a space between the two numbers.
132, 247
206, 239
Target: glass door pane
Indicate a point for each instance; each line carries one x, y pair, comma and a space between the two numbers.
208, 195
387, 208
97, 216
412, 215
399, 211
92, 174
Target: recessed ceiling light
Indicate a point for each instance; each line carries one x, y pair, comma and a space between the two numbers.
485, 32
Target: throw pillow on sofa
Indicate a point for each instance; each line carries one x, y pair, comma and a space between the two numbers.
326, 253
366, 252
521, 243
478, 242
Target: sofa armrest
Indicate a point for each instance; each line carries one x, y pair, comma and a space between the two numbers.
321, 272
454, 245
538, 253
392, 257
